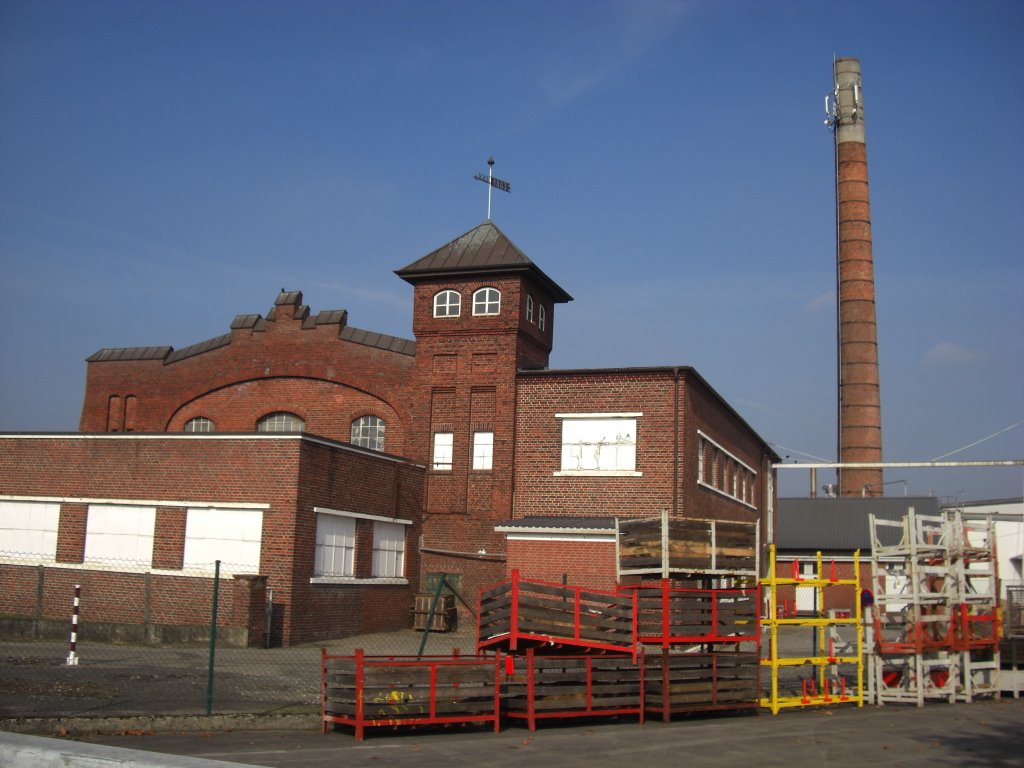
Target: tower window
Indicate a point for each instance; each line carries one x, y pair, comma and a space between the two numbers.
487, 301
529, 307
541, 317
447, 304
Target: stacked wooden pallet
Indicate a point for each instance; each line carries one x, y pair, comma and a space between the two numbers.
519, 614
677, 682
572, 686
367, 691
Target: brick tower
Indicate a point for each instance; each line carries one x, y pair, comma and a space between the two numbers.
481, 311
860, 414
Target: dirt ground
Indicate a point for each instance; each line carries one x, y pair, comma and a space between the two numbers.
126, 680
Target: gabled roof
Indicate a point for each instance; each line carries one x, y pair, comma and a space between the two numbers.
842, 524
485, 249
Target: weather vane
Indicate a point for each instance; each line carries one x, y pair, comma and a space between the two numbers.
492, 182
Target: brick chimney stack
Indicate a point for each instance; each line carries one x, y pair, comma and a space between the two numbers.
860, 412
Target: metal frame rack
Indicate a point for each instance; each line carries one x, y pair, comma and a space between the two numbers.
936, 617
826, 686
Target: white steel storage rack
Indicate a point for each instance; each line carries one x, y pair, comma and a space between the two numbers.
935, 624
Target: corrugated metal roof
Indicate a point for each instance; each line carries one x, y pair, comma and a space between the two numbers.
128, 353
198, 349
378, 340
842, 524
484, 248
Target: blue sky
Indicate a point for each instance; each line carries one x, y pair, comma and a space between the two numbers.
165, 166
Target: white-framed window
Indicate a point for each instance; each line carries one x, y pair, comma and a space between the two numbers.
447, 304
119, 534
368, 431
281, 421
721, 471
541, 317
335, 545
233, 536
529, 307
483, 450
599, 443
443, 446
388, 550
486, 301
199, 424
29, 528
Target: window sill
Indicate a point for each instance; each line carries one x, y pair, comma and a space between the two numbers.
597, 473
381, 581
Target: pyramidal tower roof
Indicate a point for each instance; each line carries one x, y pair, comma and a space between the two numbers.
483, 249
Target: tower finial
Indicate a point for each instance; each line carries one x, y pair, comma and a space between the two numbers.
492, 183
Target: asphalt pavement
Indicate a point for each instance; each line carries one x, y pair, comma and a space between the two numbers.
986, 733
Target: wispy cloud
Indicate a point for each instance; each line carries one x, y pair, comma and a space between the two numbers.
821, 302
948, 353
601, 50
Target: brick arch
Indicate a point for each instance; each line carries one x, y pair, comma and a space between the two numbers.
327, 407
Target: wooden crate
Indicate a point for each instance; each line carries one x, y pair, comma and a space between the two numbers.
543, 687
665, 546
669, 614
445, 615
367, 691
520, 614
699, 682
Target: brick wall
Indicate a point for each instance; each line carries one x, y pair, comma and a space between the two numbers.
581, 563
289, 475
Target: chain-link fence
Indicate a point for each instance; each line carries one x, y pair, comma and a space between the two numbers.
145, 642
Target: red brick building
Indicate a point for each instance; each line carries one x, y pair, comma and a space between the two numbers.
374, 460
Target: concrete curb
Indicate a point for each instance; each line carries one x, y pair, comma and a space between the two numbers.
18, 750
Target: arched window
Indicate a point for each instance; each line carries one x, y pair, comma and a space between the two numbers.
529, 308
486, 301
281, 421
368, 431
199, 424
447, 304
541, 317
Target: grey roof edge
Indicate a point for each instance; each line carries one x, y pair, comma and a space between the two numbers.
119, 354
378, 340
565, 523
197, 349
